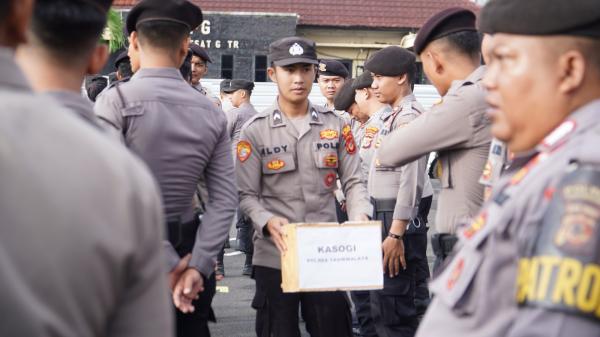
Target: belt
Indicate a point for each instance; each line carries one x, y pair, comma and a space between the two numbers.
182, 235
443, 243
416, 225
383, 205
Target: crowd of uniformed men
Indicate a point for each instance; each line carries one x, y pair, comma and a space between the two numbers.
100, 203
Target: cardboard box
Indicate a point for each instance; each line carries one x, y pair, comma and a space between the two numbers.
332, 256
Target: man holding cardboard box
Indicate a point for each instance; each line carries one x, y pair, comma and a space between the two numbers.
289, 157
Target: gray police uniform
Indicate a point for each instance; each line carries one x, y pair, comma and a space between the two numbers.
459, 130
366, 136
395, 193
76, 103
181, 136
536, 215
81, 225
290, 171
236, 118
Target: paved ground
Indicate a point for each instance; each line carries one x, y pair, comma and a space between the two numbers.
235, 317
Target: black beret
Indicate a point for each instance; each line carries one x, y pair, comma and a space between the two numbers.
333, 68
363, 81
391, 61
122, 57
542, 17
235, 85
345, 96
444, 23
224, 84
180, 11
292, 50
200, 52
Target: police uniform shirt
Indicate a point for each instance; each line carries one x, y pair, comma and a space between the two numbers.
401, 183
207, 92
81, 223
546, 216
459, 130
236, 118
282, 172
366, 136
181, 136
76, 103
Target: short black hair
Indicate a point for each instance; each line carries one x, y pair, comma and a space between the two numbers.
95, 86
68, 29
465, 42
124, 68
165, 35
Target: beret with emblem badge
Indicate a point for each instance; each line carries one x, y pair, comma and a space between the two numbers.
235, 85
363, 81
391, 61
179, 11
449, 21
200, 52
542, 17
224, 85
344, 98
333, 68
292, 50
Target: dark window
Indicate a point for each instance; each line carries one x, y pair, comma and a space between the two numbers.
227, 66
260, 68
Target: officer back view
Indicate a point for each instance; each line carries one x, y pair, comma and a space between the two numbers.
81, 217
182, 137
288, 159
457, 128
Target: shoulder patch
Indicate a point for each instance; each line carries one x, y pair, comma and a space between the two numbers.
563, 270
244, 150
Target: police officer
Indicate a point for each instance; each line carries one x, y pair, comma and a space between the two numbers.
288, 158
457, 128
81, 217
239, 92
331, 77
540, 226
395, 193
182, 137
56, 70
123, 66
200, 61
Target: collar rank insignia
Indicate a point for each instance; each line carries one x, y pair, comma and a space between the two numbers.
277, 118
314, 115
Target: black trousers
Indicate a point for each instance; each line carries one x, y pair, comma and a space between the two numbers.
422, 275
393, 308
193, 324
327, 314
362, 307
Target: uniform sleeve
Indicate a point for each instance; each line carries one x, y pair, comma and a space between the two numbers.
354, 189
410, 186
109, 115
221, 205
145, 308
445, 126
249, 171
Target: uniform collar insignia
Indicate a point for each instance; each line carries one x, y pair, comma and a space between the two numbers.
557, 137
277, 118
314, 116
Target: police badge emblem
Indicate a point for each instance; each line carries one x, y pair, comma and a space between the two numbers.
296, 50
